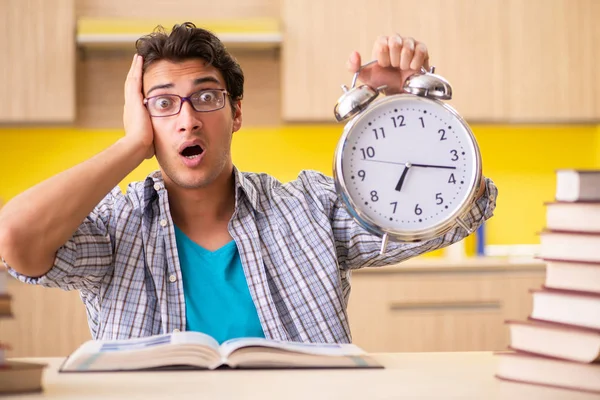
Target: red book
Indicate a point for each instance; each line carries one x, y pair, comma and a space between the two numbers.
567, 307
577, 185
570, 246
576, 217
556, 340
530, 368
573, 275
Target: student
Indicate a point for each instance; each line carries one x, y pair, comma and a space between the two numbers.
200, 245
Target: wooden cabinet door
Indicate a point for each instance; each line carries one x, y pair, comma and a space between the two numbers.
37, 69
46, 322
438, 311
508, 61
460, 36
552, 49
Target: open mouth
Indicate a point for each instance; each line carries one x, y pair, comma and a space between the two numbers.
192, 152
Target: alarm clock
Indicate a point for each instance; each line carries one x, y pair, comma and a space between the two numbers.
407, 166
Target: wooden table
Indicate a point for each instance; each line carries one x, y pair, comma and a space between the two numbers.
453, 375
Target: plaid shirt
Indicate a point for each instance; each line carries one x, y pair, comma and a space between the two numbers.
296, 241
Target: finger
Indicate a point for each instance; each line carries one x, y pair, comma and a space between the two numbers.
381, 51
353, 63
419, 57
406, 56
134, 85
137, 74
132, 67
129, 74
395, 46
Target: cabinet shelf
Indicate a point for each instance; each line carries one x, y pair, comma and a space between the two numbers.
96, 33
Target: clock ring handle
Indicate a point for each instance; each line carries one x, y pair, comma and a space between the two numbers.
358, 72
355, 77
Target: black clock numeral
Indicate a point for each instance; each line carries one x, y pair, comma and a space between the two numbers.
398, 121
451, 179
438, 199
422, 122
454, 155
395, 204
418, 210
443, 132
374, 196
368, 152
377, 133
362, 174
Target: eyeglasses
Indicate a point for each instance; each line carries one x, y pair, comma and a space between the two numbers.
166, 105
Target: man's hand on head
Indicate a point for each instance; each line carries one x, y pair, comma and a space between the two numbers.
136, 119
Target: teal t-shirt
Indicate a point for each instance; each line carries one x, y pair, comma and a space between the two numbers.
217, 298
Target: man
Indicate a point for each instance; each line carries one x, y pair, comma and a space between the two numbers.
199, 245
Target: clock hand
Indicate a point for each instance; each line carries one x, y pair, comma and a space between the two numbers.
403, 176
434, 166
414, 165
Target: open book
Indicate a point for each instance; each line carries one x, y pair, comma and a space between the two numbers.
195, 350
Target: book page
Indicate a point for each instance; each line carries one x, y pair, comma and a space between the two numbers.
326, 349
195, 338
95, 352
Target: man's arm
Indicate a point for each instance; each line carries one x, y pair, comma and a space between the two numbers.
36, 223
357, 248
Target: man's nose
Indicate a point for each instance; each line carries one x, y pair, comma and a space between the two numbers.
188, 118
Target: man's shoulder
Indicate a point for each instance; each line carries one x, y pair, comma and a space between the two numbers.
306, 181
137, 194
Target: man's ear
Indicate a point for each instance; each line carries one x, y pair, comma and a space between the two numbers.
237, 116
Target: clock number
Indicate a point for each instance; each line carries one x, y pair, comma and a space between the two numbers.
418, 210
398, 121
374, 196
452, 179
422, 122
454, 155
438, 199
377, 135
395, 204
368, 152
443, 132
362, 174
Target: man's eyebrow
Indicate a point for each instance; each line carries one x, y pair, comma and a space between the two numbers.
197, 81
206, 79
163, 86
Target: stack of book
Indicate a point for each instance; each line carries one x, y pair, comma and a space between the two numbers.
559, 345
15, 376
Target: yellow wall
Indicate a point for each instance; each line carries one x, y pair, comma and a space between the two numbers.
520, 159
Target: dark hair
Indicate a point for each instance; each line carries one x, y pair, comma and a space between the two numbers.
187, 42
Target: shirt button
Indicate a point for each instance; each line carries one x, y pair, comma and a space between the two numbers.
163, 222
172, 278
176, 331
157, 186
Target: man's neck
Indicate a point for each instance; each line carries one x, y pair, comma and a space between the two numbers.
209, 205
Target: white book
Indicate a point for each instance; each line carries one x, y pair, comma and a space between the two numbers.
195, 350
573, 216
551, 339
577, 185
570, 246
546, 371
573, 275
567, 307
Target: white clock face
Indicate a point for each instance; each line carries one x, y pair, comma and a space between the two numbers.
409, 164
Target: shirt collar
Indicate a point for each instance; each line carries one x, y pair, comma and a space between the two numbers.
154, 182
246, 186
152, 185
